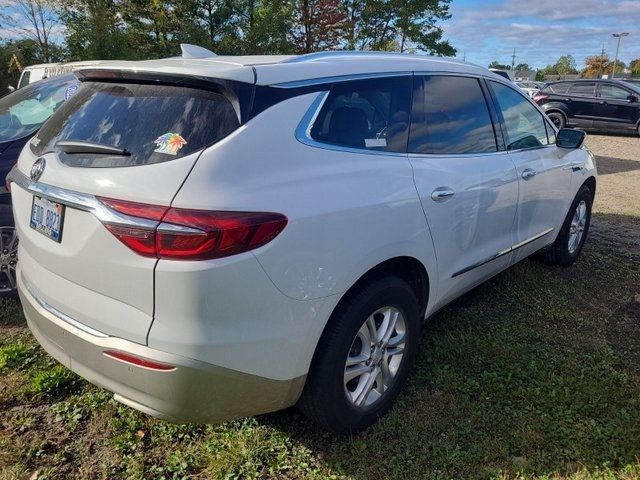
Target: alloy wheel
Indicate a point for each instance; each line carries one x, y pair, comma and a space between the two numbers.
375, 356
578, 223
8, 259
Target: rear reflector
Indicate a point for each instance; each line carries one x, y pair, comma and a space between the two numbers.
184, 234
138, 361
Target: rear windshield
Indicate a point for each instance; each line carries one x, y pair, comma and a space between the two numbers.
154, 123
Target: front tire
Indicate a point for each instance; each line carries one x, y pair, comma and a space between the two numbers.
363, 357
568, 245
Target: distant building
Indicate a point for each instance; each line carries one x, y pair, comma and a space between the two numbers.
522, 75
555, 77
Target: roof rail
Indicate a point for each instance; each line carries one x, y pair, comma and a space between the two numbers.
311, 57
194, 51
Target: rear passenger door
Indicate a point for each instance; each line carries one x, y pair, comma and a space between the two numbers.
544, 171
467, 186
582, 103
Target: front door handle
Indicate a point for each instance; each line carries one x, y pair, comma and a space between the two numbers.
442, 193
528, 174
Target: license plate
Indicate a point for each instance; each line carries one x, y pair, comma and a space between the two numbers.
47, 218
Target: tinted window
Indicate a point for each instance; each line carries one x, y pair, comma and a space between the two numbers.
23, 111
155, 123
557, 88
613, 91
583, 89
450, 117
524, 123
368, 114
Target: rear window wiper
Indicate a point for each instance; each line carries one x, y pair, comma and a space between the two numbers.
79, 146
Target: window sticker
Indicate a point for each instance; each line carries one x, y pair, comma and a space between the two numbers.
375, 142
71, 91
169, 143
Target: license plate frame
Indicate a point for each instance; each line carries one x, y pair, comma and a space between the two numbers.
43, 218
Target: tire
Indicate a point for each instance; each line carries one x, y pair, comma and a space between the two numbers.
8, 253
328, 398
558, 119
567, 247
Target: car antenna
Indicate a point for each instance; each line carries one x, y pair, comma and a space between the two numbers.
194, 51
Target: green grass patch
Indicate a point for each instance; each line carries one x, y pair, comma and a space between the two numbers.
54, 382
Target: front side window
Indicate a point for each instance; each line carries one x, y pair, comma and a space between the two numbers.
366, 114
525, 125
154, 123
613, 92
583, 89
559, 88
450, 117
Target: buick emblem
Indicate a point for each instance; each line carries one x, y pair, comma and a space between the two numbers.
37, 169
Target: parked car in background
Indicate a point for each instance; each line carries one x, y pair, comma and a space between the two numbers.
592, 104
34, 73
271, 237
529, 87
502, 73
21, 115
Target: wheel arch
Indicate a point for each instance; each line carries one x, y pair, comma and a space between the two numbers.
591, 183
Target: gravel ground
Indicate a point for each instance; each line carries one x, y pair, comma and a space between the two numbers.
617, 204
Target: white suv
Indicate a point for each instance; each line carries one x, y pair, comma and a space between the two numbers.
218, 237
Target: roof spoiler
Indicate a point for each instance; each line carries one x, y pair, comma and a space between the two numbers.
194, 51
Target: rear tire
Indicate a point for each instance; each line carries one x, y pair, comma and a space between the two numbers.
8, 253
354, 380
558, 119
568, 245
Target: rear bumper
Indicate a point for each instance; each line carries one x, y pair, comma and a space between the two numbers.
193, 391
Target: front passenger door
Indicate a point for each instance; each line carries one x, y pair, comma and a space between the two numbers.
544, 171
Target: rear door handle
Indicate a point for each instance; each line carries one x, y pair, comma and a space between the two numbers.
442, 193
528, 174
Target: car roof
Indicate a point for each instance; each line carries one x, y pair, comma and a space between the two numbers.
291, 70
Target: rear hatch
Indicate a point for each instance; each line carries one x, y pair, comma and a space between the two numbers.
133, 140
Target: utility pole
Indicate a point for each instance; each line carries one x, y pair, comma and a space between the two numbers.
464, 55
601, 68
615, 62
513, 59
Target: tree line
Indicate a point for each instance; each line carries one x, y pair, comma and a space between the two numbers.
594, 67
68, 30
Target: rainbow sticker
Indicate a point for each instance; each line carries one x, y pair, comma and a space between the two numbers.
169, 143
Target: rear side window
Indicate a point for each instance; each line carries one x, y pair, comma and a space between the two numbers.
557, 88
369, 114
155, 123
583, 89
613, 92
525, 125
450, 117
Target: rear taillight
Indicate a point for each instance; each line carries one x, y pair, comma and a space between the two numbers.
184, 234
540, 97
138, 361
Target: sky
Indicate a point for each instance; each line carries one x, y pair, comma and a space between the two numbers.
542, 30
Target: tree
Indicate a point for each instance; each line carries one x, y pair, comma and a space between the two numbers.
35, 20
94, 30
318, 25
634, 65
499, 66
566, 65
523, 67
599, 65
396, 25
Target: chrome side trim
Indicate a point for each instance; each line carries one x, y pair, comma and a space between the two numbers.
339, 78
303, 132
58, 314
502, 253
78, 201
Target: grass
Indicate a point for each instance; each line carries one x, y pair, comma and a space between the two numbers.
535, 374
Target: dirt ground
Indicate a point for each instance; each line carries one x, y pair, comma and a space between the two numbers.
618, 198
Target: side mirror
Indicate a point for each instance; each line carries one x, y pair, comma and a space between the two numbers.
570, 138
11, 88
632, 98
